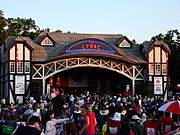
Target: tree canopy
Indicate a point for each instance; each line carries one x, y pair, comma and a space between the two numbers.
2, 27
171, 38
18, 27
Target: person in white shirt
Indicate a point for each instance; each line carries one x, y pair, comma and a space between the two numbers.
50, 128
36, 110
29, 110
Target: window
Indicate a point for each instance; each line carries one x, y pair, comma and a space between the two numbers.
157, 54
124, 43
19, 67
151, 56
165, 78
151, 69
47, 41
157, 69
164, 69
27, 67
150, 78
12, 67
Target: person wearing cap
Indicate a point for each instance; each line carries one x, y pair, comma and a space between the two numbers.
33, 127
136, 125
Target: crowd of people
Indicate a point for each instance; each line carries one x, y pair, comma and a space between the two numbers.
89, 114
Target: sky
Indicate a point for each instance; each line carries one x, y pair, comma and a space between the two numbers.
136, 19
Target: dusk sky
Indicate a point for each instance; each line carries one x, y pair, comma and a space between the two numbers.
136, 19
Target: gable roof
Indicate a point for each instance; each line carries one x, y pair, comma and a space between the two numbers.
67, 38
122, 39
42, 54
42, 36
148, 45
62, 40
11, 40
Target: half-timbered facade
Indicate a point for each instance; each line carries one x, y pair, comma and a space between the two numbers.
70, 60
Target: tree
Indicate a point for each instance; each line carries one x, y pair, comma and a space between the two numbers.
169, 38
59, 30
18, 27
134, 41
2, 27
22, 27
46, 30
172, 39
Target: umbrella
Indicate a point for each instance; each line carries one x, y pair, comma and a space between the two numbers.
173, 106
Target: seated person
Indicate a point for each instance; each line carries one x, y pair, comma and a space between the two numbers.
33, 127
165, 124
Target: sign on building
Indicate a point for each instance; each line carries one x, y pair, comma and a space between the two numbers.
158, 86
19, 84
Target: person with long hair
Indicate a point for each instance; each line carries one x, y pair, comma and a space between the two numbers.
89, 121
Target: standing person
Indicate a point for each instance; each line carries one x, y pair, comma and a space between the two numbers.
58, 103
36, 110
77, 116
33, 127
136, 126
51, 123
89, 121
127, 91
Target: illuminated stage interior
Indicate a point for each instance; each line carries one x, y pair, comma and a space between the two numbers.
91, 79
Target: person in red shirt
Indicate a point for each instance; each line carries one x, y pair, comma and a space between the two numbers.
165, 123
127, 91
89, 121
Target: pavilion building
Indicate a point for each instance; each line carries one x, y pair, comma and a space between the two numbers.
94, 62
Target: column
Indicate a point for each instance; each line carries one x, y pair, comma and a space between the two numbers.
44, 85
133, 87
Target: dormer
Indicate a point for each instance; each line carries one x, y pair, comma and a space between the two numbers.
46, 41
124, 42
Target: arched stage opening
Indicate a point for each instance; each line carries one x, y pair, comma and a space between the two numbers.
113, 75
91, 79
